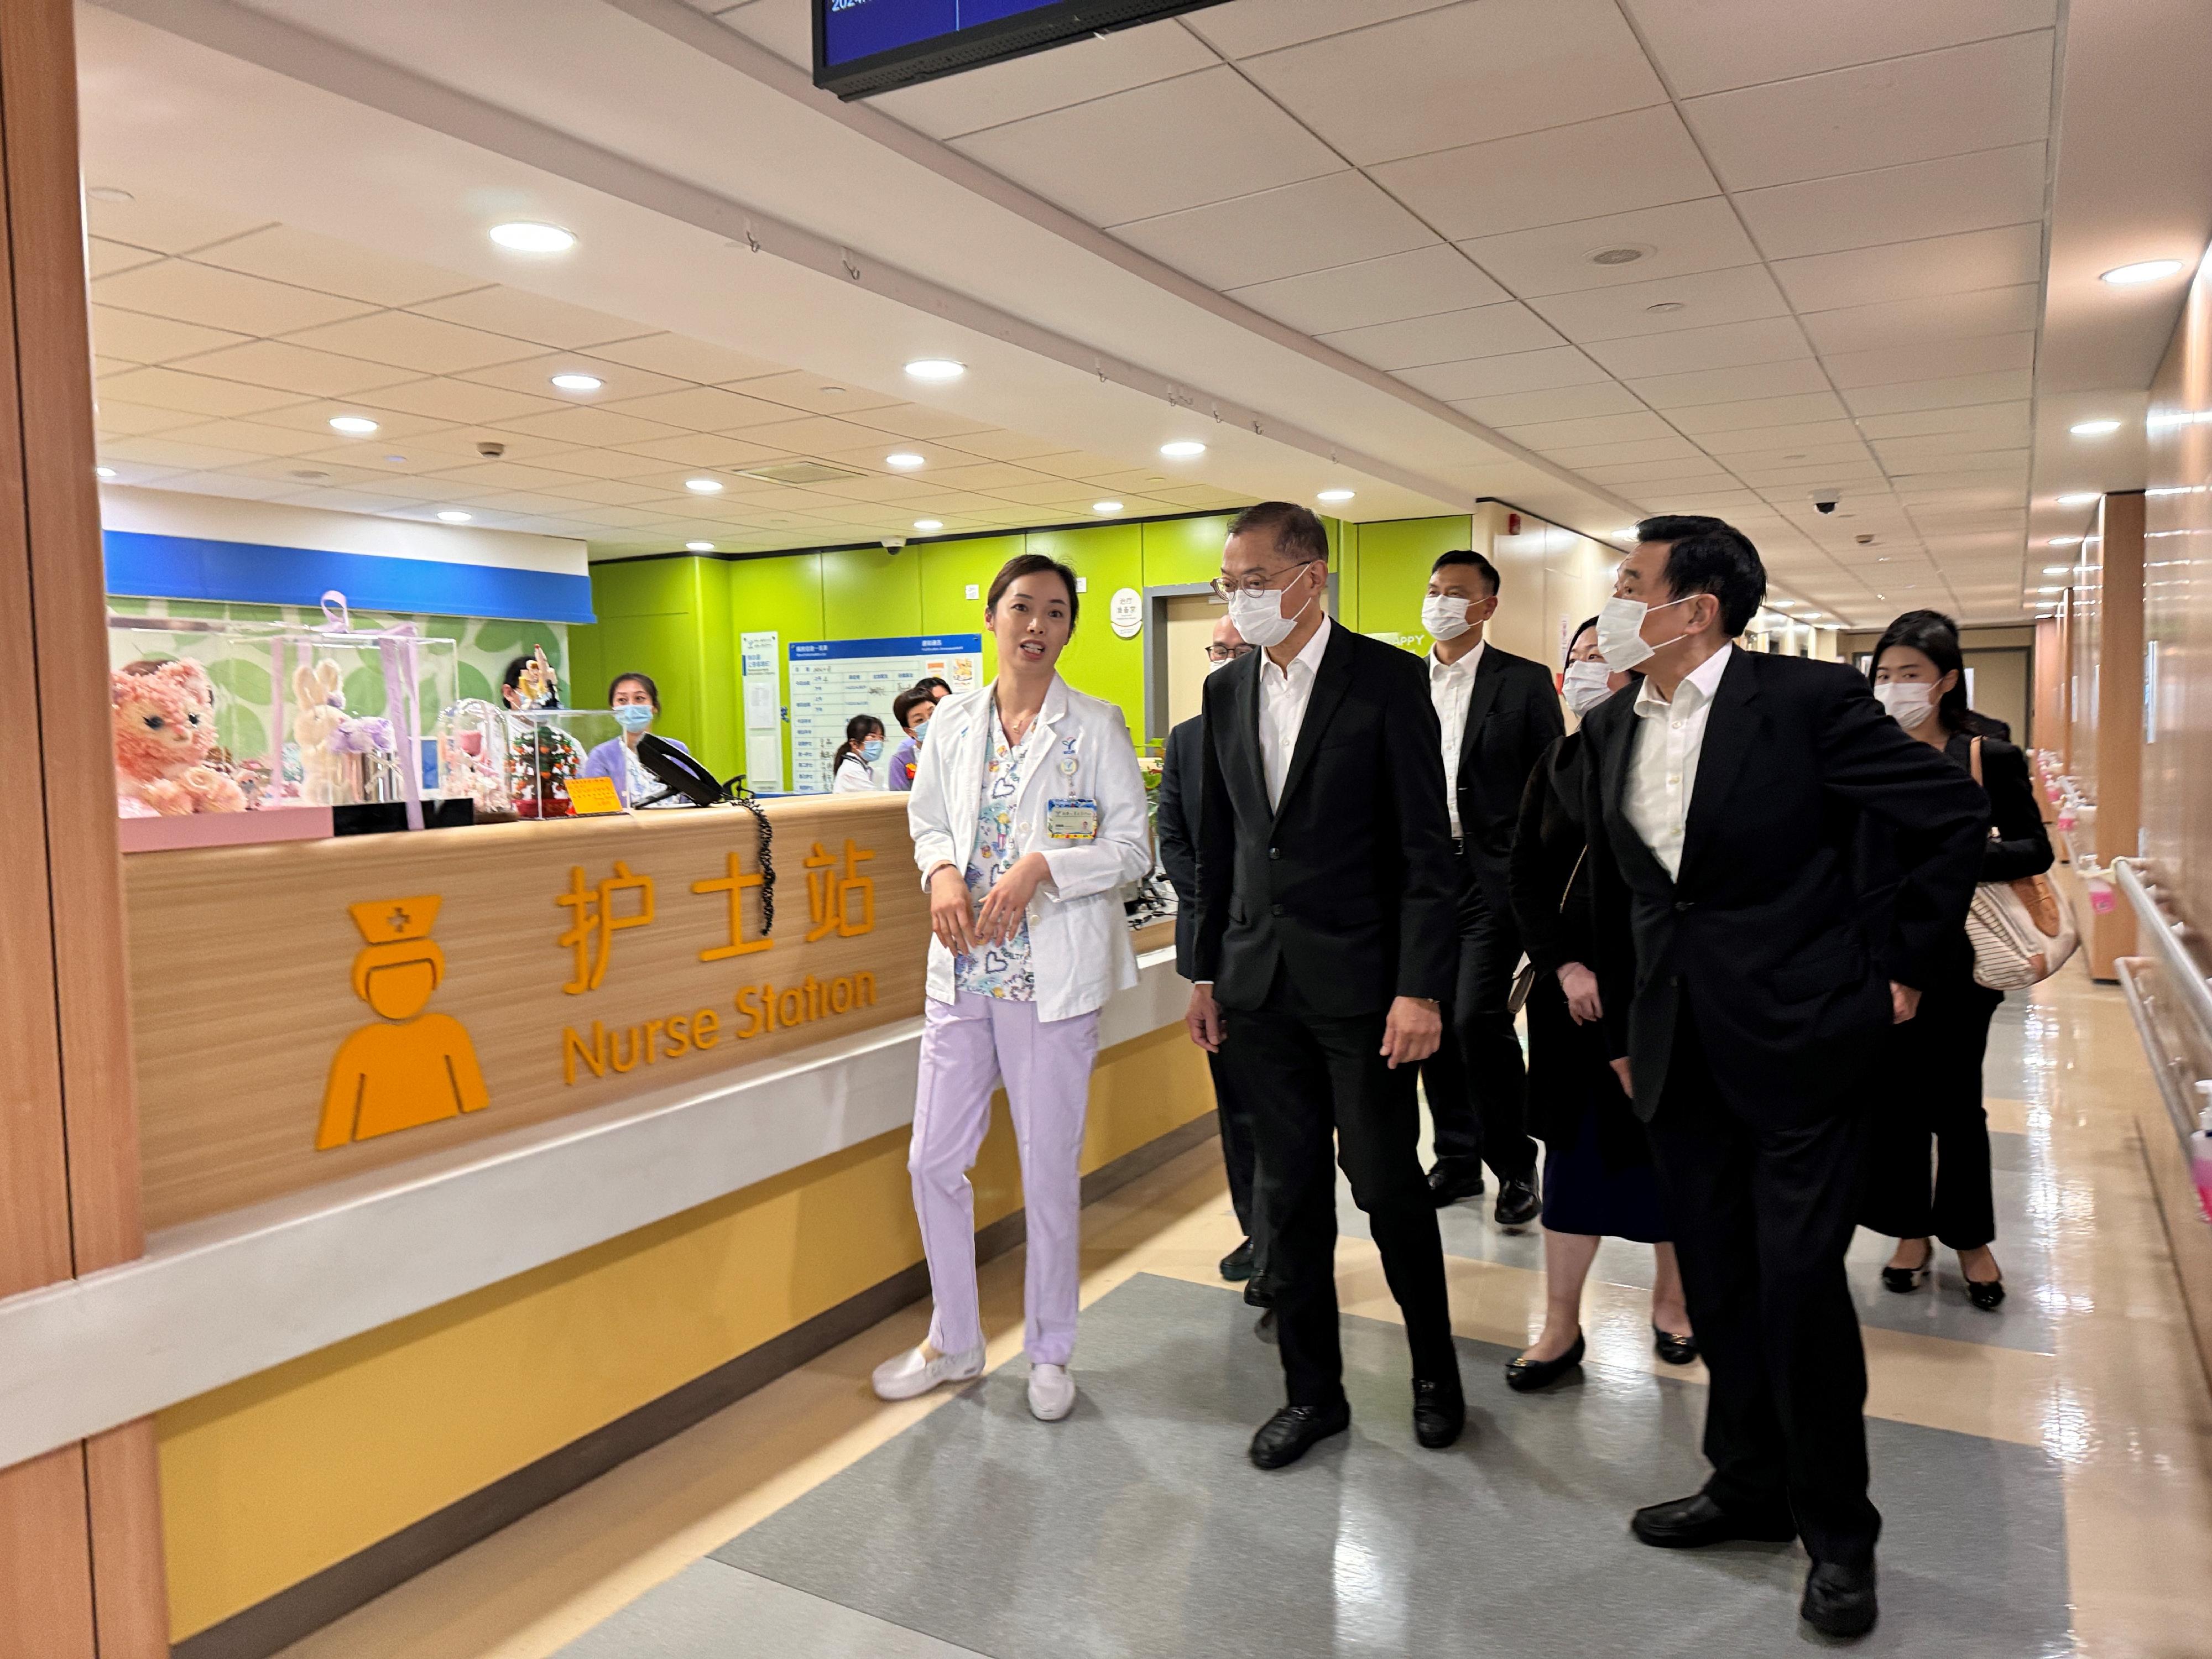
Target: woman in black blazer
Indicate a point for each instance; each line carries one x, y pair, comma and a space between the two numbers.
1598, 1180
1933, 1076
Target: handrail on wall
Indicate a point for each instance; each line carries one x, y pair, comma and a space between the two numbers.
2164, 934
2185, 1097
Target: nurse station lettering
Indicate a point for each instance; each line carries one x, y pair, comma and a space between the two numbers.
841, 901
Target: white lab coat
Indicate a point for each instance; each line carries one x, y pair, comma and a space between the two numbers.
1079, 933
854, 777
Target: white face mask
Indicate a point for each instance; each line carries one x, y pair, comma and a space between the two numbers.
1258, 617
1444, 617
1911, 705
1215, 665
1621, 632
1586, 686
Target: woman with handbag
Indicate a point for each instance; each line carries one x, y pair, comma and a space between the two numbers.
1598, 1179
1934, 1072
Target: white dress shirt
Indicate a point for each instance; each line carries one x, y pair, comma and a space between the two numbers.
1284, 695
1663, 774
1450, 685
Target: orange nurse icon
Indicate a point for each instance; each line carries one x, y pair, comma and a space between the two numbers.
417, 1067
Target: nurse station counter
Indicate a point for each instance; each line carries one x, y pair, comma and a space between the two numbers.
480, 1159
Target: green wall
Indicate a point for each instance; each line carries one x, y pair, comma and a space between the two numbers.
1384, 570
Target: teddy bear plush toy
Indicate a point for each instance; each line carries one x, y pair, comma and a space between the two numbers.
164, 714
322, 716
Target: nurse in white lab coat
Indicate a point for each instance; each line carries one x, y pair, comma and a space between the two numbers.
1028, 818
858, 764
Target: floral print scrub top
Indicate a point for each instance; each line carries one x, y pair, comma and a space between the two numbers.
999, 970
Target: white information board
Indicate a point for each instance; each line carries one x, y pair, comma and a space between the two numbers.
833, 680
759, 665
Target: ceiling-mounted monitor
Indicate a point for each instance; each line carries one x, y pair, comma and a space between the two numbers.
864, 46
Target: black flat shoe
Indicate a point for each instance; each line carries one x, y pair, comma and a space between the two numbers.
1526, 1376
1518, 1204
1448, 1183
1840, 1600
1693, 1522
1237, 1266
1294, 1430
1905, 1280
1674, 1349
1439, 1412
1985, 1294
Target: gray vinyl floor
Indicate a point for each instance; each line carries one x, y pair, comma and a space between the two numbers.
1136, 1529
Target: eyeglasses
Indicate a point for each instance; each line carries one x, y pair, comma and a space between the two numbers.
1260, 581
1226, 652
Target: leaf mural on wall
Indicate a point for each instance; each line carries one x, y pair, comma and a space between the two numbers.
239, 730
247, 682
476, 684
364, 689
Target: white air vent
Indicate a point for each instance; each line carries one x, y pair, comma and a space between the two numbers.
801, 473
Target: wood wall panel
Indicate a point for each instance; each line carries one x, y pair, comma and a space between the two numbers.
2115, 672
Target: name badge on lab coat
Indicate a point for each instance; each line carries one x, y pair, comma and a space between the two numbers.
1072, 820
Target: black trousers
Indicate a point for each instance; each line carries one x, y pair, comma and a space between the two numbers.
1932, 1088
1478, 1088
1236, 1119
1762, 1217
1313, 1080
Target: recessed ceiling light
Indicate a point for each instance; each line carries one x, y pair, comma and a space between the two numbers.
1665, 307
831, 391
110, 193
578, 382
2065, 541
2050, 590
2094, 428
1812, 616
1627, 254
103, 472
2057, 569
1334, 495
927, 525
1105, 506
396, 460
526, 236
2148, 271
356, 426
698, 547
703, 486
454, 516
2080, 498
936, 369
1182, 449
308, 474
904, 460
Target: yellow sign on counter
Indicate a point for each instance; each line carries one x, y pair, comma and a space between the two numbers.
593, 797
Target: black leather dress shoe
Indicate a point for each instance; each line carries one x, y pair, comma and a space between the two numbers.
1526, 1376
1986, 1293
1294, 1430
1237, 1266
1674, 1349
1689, 1524
1518, 1203
1840, 1600
1450, 1182
1439, 1412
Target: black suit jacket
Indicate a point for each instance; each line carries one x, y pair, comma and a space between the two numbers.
1349, 883
1760, 932
1176, 808
1512, 717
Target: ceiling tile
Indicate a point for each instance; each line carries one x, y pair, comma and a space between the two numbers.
1757, 411
1421, 283
604, 463
1893, 364
520, 315
1495, 377
284, 367
1484, 331
135, 337
1906, 109
704, 449
1936, 317
119, 419
1977, 192
1778, 435
443, 399
2006, 385
168, 451
167, 223
1250, 26
105, 258
1006, 446
1561, 404
920, 421
283, 254
1274, 234
1729, 345
1548, 436
166, 388
535, 376
1617, 164
422, 344
699, 408
1703, 299
220, 299
1709, 46
684, 358
253, 437
2004, 257
592, 427
820, 434
1175, 144
1668, 470
2008, 418
1670, 448
1684, 237
1475, 72
1072, 73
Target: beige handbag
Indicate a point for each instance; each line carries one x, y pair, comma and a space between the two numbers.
2022, 931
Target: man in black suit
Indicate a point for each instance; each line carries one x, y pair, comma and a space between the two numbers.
1499, 714
1327, 926
1182, 787
1744, 1002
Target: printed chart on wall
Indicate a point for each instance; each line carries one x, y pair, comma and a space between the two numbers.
833, 680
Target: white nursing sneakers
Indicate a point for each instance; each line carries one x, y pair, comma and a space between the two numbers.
1052, 1393
914, 1373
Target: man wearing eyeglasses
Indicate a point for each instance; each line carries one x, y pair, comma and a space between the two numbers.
1327, 940
1182, 786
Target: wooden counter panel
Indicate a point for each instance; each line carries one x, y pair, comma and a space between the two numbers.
252, 976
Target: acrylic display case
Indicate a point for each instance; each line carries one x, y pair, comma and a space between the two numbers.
517, 763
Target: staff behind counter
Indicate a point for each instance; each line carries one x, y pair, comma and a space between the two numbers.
635, 700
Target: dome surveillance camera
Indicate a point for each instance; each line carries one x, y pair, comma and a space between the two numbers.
892, 544
489, 451
1824, 503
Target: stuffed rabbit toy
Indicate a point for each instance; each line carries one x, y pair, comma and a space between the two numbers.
322, 712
